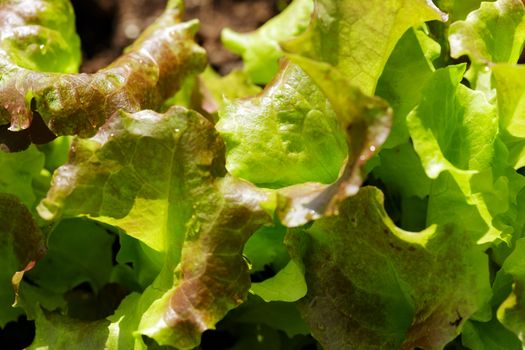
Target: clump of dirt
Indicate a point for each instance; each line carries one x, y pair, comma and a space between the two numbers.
106, 27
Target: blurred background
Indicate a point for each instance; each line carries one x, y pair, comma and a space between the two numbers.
107, 26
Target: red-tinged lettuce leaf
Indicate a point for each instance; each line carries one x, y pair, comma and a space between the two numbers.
150, 71
373, 285
142, 173
21, 245
211, 279
213, 276
159, 177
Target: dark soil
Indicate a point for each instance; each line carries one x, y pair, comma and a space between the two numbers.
106, 27
240, 15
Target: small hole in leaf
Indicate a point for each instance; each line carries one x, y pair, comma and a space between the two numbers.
259, 276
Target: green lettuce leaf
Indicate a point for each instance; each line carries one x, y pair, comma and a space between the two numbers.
463, 131
289, 130
373, 285
406, 201
332, 52
289, 145
458, 9
366, 119
277, 314
123, 324
511, 312
208, 92
458, 137
367, 122
260, 49
56, 152
265, 248
265, 252
218, 90
395, 164
72, 281
21, 245
260, 325
489, 336
138, 264
407, 69
54, 331
40, 36
495, 33
309, 44
68, 264
510, 86
150, 71
287, 285
19, 172
358, 37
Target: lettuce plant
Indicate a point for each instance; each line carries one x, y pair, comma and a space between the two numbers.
370, 196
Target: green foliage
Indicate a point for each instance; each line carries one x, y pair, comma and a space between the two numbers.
21, 245
260, 49
492, 34
290, 131
245, 212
